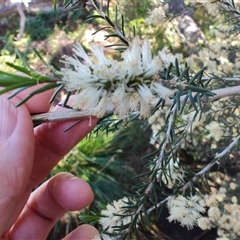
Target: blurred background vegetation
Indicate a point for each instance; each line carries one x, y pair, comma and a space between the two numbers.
107, 161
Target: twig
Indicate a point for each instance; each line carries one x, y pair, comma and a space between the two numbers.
159, 204
168, 135
200, 173
210, 165
190, 122
223, 79
101, 13
219, 156
22, 20
66, 114
159, 162
73, 114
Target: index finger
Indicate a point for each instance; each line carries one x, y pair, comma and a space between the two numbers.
52, 142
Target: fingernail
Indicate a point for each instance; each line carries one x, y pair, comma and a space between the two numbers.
8, 118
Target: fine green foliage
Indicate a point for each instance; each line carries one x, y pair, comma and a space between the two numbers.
42, 25
20, 83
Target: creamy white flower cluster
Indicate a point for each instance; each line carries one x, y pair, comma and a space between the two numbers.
186, 210
126, 86
216, 130
113, 216
222, 214
156, 17
173, 174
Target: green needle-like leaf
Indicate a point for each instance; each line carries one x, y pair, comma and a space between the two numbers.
20, 69
55, 5
40, 90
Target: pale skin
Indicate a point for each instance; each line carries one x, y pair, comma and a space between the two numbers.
27, 155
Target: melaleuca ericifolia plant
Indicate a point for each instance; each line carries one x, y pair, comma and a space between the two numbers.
186, 97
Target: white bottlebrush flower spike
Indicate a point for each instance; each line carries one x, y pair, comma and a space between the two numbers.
173, 174
112, 215
185, 210
125, 86
156, 17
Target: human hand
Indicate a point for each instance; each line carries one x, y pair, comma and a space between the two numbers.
27, 156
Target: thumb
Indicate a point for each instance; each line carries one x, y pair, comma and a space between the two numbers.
16, 157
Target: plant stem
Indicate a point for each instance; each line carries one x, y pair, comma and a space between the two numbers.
200, 173
74, 114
